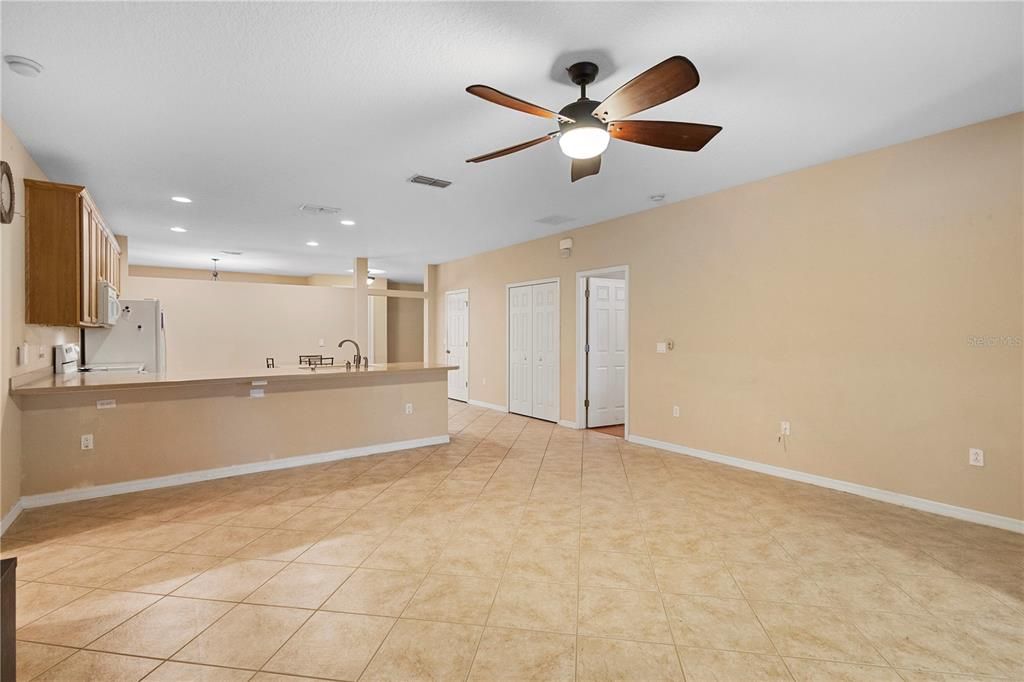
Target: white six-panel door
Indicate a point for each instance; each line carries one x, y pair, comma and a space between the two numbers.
545, 351
456, 342
533, 346
520, 348
606, 359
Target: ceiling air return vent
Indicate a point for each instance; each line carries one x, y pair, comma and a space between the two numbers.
429, 181
313, 209
555, 219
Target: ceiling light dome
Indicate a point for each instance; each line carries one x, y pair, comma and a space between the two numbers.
584, 142
584, 137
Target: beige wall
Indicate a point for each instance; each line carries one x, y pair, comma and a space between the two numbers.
405, 325
840, 298
13, 329
164, 431
236, 325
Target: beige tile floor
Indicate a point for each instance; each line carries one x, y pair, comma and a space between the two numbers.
519, 551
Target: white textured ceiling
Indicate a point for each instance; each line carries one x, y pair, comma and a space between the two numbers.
252, 109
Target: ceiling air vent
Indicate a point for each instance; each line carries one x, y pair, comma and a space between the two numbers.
555, 219
232, 253
429, 182
313, 209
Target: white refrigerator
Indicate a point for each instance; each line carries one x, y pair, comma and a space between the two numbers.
135, 343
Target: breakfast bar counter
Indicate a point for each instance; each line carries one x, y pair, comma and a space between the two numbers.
51, 384
99, 433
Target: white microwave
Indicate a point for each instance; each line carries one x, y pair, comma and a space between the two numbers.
109, 305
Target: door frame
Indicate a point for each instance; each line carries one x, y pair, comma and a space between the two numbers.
458, 291
557, 281
581, 339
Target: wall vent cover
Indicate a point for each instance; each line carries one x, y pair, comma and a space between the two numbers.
232, 253
555, 219
429, 181
313, 209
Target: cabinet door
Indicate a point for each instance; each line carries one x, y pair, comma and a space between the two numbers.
86, 261
94, 257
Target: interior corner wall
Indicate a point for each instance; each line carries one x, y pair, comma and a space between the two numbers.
13, 330
875, 302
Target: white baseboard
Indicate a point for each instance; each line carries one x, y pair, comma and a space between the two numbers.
568, 424
931, 506
489, 406
75, 494
10, 516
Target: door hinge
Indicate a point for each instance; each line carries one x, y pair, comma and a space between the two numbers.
467, 384
586, 348
586, 403
586, 293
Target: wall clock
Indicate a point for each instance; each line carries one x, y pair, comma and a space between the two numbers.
6, 193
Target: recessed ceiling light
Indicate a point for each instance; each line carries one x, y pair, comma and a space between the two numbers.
182, 200
23, 66
348, 223
178, 229
312, 243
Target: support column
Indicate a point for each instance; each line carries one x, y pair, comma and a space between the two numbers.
360, 271
430, 291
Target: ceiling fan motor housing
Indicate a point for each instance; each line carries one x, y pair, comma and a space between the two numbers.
582, 114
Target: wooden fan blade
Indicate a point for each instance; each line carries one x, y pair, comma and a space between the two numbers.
510, 150
581, 168
498, 97
686, 137
658, 84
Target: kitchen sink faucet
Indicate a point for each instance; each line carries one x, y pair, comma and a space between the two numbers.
358, 358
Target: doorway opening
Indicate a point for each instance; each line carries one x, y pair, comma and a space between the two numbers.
533, 349
602, 335
456, 342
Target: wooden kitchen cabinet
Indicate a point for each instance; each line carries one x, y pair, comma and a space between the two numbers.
69, 251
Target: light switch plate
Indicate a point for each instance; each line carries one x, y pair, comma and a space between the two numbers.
660, 347
87, 441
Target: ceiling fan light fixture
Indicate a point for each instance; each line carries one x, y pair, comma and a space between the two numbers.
584, 142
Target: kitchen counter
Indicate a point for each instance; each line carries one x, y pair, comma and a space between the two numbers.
100, 433
52, 384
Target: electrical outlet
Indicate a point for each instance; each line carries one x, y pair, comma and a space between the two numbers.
106, 404
321, 343
256, 393
675, 410
87, 442
484, 381
784, 428
976, 457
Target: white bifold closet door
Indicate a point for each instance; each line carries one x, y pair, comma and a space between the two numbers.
533, 350
606, 352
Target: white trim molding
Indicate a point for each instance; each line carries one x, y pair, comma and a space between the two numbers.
76, 494
919, 503
568, 424
11, 516
489, 406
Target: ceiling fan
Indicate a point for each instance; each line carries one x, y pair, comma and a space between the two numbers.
585, 126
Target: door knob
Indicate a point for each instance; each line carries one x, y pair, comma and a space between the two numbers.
448, 352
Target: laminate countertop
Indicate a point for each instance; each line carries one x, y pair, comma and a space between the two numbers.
51, 384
